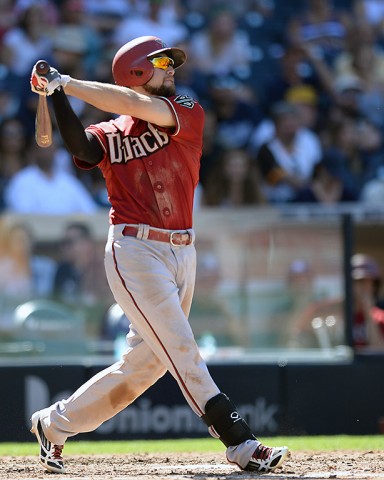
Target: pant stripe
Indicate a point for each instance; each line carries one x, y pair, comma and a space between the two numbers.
181, 382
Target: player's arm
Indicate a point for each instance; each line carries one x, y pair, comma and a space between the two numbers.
81, 144
107, 97
122, 101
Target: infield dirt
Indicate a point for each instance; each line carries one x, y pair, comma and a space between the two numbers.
301, 465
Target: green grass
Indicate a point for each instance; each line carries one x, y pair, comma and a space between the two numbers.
315, 443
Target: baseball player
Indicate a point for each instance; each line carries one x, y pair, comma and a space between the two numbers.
149, 154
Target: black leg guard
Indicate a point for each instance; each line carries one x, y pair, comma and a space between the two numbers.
222, 416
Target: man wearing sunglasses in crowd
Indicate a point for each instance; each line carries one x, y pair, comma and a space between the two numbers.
150, 157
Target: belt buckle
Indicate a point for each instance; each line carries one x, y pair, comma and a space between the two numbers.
171, 239
181, 243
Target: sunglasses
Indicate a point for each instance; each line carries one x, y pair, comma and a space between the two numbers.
162, 62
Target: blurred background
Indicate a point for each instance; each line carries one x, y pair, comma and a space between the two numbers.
289, 212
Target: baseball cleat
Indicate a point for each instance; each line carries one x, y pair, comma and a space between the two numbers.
266, 459
50, 455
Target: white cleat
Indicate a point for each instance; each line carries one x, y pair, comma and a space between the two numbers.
50, 455
266, 459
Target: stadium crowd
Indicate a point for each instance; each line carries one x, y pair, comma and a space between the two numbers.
293, 94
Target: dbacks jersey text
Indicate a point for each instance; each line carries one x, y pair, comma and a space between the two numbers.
151, 172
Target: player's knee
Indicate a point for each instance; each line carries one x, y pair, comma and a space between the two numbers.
223, 419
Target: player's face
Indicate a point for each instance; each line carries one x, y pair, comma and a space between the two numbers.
162, 83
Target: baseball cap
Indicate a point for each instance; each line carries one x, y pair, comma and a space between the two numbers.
303, 94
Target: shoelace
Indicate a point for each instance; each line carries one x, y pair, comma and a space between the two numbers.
57, 451
262, 452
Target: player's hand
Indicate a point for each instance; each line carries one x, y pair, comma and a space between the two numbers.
46, 84
38, 83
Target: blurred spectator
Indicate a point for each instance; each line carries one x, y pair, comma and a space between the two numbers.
41, 267
327, 186
321, 323
75, 30
214, 323
368, 327
233, 181
69, 55
306, 100
220, 49
24, 44
154, 22
372, 192
9, 97
13, 148
354, 148
80, 274
300, 286
105, 17
261, 20
352, 60
237, 116
8, 16
115, 324
189, 81
15, 268
95, 183
287, 157
212, 147
355, 80
371, 148
170, 9
322, 26
41, 189
204, 8
93, 179
30, 39
371, 12
293, 70
363, 62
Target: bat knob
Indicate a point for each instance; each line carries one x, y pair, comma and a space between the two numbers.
42, 67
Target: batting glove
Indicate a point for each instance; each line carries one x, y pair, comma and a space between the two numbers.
48, 83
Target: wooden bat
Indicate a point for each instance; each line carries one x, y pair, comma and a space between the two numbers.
43, 123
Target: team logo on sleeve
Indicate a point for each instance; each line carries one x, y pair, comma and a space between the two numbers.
185, 101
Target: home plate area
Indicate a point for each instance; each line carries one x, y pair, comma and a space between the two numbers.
209, 466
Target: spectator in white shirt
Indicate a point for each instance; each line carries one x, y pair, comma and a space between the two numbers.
286, 159
158, 21
40, 188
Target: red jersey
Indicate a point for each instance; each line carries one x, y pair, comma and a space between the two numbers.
151, 172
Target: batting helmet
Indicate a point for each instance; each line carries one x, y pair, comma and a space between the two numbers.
131, 66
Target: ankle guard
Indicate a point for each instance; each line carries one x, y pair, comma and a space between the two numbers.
221, 416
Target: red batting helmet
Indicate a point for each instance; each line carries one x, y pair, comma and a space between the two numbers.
131, 67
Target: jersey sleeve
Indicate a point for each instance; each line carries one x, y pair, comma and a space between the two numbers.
99, 131
189, 118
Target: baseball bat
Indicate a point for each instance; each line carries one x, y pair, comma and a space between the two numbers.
43, 123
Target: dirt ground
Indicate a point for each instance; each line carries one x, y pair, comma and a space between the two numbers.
301, 465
